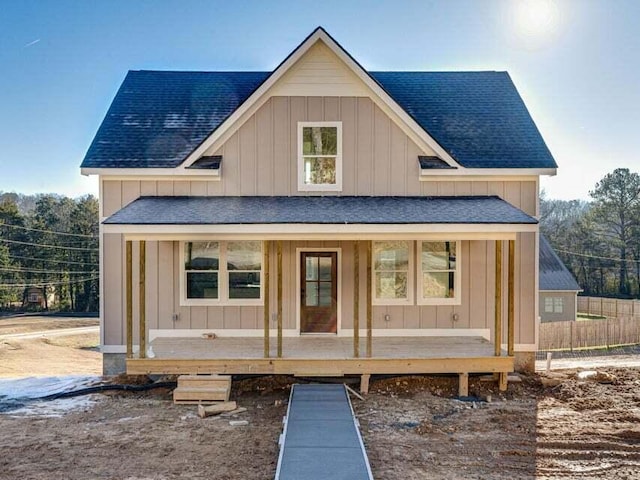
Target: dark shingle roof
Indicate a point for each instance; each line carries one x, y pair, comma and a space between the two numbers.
158, 118
318, 210
554, 275
436, 163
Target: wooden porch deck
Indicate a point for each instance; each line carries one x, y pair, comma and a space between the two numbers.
320, 355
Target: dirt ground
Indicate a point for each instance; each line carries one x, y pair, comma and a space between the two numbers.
551, 426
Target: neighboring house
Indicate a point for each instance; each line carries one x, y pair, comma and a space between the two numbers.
558, 288
34, 297
318, 219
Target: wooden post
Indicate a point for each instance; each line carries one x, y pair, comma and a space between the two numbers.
266, 292
463, 384
142, 313
498, 300
356, 299
279, 259
129, 283
511, 304
369, 312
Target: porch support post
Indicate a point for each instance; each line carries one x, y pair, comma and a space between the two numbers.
356, 299
266, 294
142, 313
497, 334
279, 258
369, 308
511, 304
129, 287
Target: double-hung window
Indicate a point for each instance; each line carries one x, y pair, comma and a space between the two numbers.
392, 278
553, 305
439, 273
221, 273
319, 156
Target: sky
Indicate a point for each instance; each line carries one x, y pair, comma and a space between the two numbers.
576, 64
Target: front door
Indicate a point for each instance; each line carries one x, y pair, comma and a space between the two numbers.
318, 292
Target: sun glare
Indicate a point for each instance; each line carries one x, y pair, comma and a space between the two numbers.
534, 19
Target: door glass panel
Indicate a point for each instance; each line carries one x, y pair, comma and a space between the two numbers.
325, 294
311, 294
312, 268
325, 268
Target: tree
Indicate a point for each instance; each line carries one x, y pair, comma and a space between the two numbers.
616, 207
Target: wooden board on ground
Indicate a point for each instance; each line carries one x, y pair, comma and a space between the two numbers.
216, 409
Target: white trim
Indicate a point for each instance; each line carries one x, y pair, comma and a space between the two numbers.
101, 280
305, 187
223, 299
457, 299
522, 347
410, 285
380, 97
351, 231
150, 173
430, 175
338, 251
117, 348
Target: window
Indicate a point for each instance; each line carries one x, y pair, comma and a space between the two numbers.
439, 273
553, 304
221, 273
392, 266
320, 156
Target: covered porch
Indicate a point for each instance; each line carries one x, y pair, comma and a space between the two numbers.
358, 348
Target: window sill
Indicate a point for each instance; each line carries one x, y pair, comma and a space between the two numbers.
220, 303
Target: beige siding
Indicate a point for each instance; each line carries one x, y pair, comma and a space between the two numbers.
569, 308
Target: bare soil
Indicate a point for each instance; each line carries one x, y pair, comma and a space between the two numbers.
413, 428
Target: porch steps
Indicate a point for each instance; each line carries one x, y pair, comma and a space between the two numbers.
321, 437
200, 389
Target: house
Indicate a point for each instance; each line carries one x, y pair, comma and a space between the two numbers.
35, 297
319, 219
558, 287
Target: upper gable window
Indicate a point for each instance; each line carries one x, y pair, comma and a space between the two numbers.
319, 156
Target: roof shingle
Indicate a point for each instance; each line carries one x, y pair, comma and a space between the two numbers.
554, 275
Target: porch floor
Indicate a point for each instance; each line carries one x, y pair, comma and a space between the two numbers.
321, 347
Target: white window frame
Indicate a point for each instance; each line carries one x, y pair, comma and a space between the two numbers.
223, 280
558, 302
548, 304
457, 299
304, 187
410, 286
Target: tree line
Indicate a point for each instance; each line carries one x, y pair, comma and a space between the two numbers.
49, 242
599, 240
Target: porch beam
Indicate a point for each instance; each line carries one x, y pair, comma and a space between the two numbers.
142, 299
266, 292
369, 307
279, 266
129, 289
356, 299
498, 301
511, 304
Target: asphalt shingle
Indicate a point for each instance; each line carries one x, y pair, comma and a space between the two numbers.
554, 275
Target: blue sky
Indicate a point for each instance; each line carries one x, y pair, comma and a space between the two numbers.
575, 62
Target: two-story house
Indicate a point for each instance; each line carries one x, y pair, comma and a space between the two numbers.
319, 219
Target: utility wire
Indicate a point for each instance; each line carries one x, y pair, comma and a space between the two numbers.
596, 256
41, 283
48, 231
18, 257
58, 272
61, 247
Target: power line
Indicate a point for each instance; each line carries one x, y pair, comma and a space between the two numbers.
48, 231
46, 284
596, 256
58, 272
18, 257
61, 247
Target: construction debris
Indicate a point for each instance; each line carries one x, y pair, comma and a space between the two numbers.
595, 376
238, 423
216, 409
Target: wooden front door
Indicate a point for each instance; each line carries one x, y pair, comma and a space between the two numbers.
319, 292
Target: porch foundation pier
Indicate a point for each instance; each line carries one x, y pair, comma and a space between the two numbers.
266, 293
511, 304
369, 308
279, 266
142, 312
356, 299
129, 287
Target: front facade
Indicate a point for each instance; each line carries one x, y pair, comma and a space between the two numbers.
318, 219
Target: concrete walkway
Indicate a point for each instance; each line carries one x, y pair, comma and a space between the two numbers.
321, 438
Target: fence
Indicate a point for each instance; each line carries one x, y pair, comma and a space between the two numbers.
609, 307
603, 332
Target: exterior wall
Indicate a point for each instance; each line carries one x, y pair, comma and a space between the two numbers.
569, 310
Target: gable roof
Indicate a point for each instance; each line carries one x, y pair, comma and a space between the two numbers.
554, 275
477, 119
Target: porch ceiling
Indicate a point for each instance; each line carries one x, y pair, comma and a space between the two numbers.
339, 215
